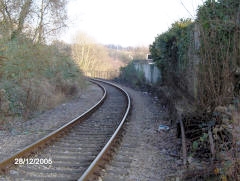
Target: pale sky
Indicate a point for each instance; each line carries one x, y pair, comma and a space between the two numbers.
126, 22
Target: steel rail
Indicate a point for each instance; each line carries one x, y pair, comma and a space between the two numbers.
34, 147
88, 174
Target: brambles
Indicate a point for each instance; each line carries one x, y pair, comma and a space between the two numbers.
212, 51
36, 77
219, 52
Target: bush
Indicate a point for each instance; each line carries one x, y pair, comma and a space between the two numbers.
36, 76
130, 75
219, 52
170, 51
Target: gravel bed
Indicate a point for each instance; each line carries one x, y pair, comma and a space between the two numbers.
23, 133
149, 154
146, 153
79, 147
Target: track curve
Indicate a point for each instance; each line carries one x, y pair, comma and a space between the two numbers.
75, 149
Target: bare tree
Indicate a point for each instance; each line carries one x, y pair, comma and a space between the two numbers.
13, 15
51, 17
35, 18
89, 55
83, 52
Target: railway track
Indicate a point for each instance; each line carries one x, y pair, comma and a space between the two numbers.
76, 150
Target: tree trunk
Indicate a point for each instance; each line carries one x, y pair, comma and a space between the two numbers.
22, 17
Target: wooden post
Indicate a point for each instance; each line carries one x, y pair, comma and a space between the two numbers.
211, 143
183, 143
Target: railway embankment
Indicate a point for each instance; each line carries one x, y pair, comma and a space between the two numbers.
24, 132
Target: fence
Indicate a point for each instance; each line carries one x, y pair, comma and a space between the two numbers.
102, 74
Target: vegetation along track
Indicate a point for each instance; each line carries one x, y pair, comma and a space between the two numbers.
78, 147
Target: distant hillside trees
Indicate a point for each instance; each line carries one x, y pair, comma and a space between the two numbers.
92, 56
84, 52
127, 54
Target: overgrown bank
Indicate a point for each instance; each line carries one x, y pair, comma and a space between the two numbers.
201, 59
34, 77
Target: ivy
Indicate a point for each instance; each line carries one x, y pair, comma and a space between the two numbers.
219, 23
169, 50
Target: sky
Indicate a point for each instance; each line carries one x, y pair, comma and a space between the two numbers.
125, 22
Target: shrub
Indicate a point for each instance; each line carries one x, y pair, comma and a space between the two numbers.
36, 76
130, 75
219, 52
170, 51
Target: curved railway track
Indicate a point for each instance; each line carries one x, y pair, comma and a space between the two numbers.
76, 149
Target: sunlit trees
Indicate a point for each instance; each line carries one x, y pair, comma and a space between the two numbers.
84, 52
89, 55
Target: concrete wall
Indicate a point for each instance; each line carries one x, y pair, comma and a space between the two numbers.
151, 73
192, 71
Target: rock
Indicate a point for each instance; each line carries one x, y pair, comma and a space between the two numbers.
13, 172
224, 111
190, 159
231, 108
177, 179
163, 128
164, 151
2, 92
221, 109
179, 162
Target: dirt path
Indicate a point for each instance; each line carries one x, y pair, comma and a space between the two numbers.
145, 153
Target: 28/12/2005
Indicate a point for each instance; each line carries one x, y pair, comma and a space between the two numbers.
33, 161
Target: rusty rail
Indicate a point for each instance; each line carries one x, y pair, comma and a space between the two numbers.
33, 148
88, 174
